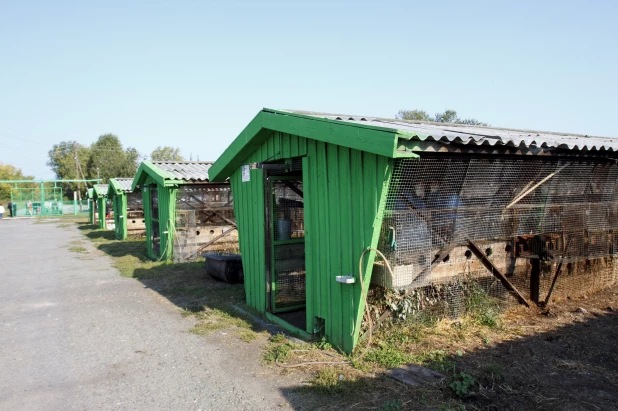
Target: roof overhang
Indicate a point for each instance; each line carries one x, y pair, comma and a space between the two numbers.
100, 190
147, 169
369, 138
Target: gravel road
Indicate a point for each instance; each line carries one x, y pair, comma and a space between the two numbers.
76, 335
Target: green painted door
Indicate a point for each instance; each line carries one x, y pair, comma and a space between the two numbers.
286, 243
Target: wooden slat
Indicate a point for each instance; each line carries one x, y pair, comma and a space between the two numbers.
334, 233
496, 273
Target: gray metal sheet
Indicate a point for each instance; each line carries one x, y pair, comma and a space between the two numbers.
125, 184
492, 136
186, 170
102, 188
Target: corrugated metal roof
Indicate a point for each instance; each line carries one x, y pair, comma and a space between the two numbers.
478, 135
124, 184
101, 190
186, 170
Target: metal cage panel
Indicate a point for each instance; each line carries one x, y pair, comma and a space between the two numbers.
517, 210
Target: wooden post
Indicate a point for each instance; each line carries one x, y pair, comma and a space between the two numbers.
496, 273
535, 279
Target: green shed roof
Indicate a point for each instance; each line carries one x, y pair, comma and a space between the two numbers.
120, 185
100, 190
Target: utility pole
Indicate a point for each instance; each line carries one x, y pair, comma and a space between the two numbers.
79, 192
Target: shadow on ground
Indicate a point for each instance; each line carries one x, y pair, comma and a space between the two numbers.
571, 368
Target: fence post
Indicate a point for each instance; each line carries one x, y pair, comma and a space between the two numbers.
74, 203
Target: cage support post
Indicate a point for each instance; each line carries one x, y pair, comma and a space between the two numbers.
535, 279
558, 270
496, 273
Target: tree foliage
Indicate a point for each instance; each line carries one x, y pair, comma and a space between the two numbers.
448, 116
62, 162
166, 153
9, 172
108, 159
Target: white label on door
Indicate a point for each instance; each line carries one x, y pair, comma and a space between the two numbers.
246, 176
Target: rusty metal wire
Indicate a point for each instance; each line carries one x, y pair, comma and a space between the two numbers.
204, 220
517, 209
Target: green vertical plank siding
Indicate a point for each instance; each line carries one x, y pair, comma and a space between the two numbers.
119, 205
91, 207
345, 193
148, 219
101, 203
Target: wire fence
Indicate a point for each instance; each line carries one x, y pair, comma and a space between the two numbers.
204, 221
533, 219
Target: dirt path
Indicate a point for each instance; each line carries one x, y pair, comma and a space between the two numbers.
76, 335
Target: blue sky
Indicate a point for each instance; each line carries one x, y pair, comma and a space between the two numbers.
192, 74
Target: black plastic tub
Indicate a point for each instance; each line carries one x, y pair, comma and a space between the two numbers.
224, 267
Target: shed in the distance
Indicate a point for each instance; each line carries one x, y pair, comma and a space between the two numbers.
92, 214
185, 213
453, 208
99, 197
128, 209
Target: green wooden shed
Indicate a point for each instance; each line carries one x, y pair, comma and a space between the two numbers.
185, 214
128, 208
92, 214
448, 205
99, 197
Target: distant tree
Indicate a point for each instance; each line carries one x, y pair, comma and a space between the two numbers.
9, 172
448, 116
62, 162
166, 153
418, 115
108, 159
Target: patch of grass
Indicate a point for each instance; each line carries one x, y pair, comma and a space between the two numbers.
247, 335
78, 249
207, 327
277, 352
388, 357
495, 371
481, 308
392, 405
328, 380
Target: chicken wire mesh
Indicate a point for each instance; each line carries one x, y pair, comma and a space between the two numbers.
136, 225
288, 229
204, 221
518, 211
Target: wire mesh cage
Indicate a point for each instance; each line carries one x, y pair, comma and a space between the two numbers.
204, 221
288, 233
520, 212
135, 214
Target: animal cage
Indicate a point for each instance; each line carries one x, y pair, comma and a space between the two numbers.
448, 219
204, 220
286, 242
